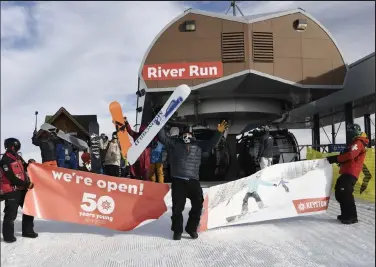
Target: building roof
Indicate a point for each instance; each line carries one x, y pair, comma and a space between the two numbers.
81, 121
246, 19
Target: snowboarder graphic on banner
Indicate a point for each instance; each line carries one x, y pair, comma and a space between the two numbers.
283, 183
253, 185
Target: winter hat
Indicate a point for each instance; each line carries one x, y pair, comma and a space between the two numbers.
174, 131
85, 157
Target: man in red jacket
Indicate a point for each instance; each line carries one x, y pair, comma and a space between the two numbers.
351, 163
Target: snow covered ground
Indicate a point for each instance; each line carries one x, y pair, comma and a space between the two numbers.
297, 242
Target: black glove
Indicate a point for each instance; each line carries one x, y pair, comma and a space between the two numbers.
332, 159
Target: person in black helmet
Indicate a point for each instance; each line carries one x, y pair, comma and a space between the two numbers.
185, 160
14, 185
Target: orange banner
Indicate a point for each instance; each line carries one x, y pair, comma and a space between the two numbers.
182, 71
93, 199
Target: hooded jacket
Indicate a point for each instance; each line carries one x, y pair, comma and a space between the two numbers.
112, 156
47, 145
351, 161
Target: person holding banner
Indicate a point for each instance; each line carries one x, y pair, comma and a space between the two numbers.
351, 163
185, 160
14, 185
47, 142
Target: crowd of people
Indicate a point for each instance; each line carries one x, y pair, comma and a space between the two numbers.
185, 154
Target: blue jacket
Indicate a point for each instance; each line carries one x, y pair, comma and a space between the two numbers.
156, 153
61, 153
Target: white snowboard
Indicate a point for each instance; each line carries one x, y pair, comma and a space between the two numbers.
177, 98
69, 138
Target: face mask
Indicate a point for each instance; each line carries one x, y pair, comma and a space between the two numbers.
187, 139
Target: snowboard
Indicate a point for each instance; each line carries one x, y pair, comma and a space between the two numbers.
95, 154
177, 98
239, 216
69, 138
119, 122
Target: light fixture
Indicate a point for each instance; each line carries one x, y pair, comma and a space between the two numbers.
190, 26
300, 25
139, 109
140, 93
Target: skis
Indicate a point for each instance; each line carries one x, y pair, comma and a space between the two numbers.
132, 152
70, 139
95, 154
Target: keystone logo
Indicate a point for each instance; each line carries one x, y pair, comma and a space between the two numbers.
308, 205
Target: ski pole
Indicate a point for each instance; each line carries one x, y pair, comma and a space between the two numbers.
36, 120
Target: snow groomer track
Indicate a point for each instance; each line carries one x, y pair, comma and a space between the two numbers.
310, 241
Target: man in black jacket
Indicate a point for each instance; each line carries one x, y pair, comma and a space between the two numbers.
265, 154
47, 142
14, 186
185, 160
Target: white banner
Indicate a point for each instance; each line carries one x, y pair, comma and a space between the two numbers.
280, 191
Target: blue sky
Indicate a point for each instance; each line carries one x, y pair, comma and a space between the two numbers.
83, 55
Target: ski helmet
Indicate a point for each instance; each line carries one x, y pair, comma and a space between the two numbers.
12, 144
354, 130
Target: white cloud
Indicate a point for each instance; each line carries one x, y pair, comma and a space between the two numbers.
83, 55
351, 23
86, 54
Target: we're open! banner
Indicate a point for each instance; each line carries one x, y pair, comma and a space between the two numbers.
87, 198
280, 191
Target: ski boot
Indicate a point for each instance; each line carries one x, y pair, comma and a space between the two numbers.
30, 235
349, 221
176, 236
192, 234
11, 240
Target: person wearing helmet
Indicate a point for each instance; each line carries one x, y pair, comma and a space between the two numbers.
47, 143
265, 154
14, 185
351, 163
185, 160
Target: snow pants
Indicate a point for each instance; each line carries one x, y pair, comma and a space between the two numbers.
181, 190
265, 162
156, 168
12, 201
344, 189
112, 170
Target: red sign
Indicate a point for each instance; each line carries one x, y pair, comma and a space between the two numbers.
311, 204
93, 199
182, 71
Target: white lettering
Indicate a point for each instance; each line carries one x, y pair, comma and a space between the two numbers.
88, 181
67, 177
193, 71
152, 72
57, 175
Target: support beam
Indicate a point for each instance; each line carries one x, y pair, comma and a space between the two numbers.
349, 119
333, 131
316, 132
367, 127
